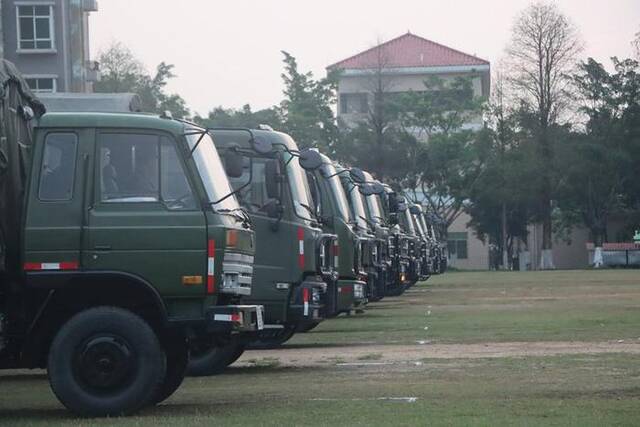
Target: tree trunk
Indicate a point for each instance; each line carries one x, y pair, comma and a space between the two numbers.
505, 251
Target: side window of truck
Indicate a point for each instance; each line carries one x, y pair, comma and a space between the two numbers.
138, 168
58, 167
253, 196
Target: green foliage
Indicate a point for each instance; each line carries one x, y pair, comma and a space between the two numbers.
122, 72
600, 173
244, 118
306, 112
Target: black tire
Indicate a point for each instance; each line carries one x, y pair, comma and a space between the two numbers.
176, 350
213, 359
273, 339
105, 361
235, 356
306, 327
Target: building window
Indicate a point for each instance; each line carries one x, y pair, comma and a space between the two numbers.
35, 27
351, 103
42, 84
457, 245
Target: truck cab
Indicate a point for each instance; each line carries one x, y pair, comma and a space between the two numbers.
131, 246
337, 219
294, 266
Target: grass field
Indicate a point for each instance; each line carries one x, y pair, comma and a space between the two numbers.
539, 348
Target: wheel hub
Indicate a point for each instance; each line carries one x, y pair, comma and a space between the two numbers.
104, 363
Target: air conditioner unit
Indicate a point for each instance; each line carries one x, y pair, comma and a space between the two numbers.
89, 5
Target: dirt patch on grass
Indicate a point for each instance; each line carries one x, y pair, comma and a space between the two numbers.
302, 357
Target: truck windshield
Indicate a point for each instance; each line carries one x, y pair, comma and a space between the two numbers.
375, 208
339, 196
211, 171
418, 226
407, 222
356, 203
302, 201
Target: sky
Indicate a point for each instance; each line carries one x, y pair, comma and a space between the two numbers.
228, 53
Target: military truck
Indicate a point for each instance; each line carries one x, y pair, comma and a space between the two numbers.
426, 261
336, 218
116, 232
294, 265
406, 223
382, 209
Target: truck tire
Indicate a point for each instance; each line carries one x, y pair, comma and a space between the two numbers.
213, 359
273, 338
105, 361
176, 350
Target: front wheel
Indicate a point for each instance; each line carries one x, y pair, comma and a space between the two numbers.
211, 358
273, 338
176, 350
106, 361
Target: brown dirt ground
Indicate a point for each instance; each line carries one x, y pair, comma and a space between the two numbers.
299, 356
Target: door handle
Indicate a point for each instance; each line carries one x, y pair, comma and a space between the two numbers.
102, 247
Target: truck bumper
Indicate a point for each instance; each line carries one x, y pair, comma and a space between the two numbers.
351, 294
306, 302
235, 318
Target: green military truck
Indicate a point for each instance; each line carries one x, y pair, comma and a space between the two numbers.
336, 219
426, 262
120, 245
406, 223
294, 265
352, 182
382, 210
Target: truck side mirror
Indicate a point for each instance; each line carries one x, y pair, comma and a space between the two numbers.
377, 188
366, 190
310, 160
402, 207
272, 178
357, 175
415, 210
261, 145
233, 164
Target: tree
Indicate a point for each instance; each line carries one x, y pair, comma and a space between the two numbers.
542, 52
442, 163
306, 112
600, 165
375, 140
499, 203
244, 118
122, 72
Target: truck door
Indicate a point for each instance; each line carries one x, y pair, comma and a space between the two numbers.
53, 228
146, 219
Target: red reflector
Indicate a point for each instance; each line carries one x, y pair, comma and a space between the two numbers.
236, 318
305, 295
32, 266
211, 248
73, 265
300, 233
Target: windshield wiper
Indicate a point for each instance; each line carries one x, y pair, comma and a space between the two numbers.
371, 223
308, 208
242, 217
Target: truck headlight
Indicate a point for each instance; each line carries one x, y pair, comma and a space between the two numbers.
315, 296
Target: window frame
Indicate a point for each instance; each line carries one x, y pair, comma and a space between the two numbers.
53, 77
98, 196
75, 167
52, 28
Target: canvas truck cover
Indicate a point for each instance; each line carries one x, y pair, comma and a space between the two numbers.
18, 106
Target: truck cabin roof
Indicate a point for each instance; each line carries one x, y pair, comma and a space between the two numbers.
113, 120
240, 137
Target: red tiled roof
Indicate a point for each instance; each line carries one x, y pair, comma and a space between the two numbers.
407, 51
